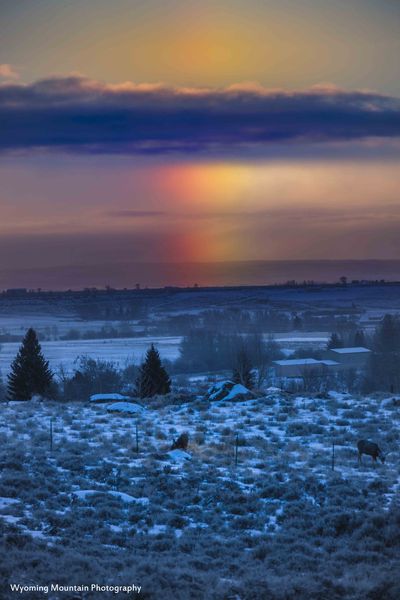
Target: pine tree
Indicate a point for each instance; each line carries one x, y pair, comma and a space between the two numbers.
359, 339
30, 373
153, 379
383, 371
243, 372
297, 322
334, 342
387, 335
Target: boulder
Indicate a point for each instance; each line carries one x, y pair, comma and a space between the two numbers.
127, 408
228, 390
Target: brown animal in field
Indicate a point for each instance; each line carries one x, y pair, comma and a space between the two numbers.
181, 443
371, 449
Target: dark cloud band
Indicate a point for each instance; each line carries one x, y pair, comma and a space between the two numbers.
80, 115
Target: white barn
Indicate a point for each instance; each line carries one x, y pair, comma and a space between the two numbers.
296, 367
350, 358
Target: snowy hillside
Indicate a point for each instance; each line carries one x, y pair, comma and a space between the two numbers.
280, 525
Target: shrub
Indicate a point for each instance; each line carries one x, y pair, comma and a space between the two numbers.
91, 377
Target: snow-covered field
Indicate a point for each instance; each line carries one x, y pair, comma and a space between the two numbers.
52, 325
122, 351
281, 524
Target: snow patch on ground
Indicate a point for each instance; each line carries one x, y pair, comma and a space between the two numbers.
179, 455
125, 407
83, 494
108, 398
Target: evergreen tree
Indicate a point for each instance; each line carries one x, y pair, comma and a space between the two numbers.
297, 322
334, 342
359, 339
30, 373
153, 379
383, 371
243, 372
387, 335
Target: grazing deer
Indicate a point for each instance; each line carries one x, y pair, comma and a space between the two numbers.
371, 449
181, 443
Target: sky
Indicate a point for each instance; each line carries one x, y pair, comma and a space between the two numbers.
165, 132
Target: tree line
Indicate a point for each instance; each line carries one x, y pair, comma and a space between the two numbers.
248, 357
31, 375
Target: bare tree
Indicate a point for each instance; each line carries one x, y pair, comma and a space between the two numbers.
242, 370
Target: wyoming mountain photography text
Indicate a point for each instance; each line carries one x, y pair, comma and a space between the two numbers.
200, 299
75, 589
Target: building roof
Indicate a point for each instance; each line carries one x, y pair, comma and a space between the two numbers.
297, 361
329, 363
354, 350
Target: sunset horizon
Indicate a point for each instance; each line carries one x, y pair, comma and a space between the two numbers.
244, 273
259, 133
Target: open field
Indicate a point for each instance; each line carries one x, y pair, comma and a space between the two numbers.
123, 351
51, 325
281, 525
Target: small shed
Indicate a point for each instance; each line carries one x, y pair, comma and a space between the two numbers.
350, 358
295, 367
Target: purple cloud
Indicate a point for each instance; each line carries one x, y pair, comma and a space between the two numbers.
80, 115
